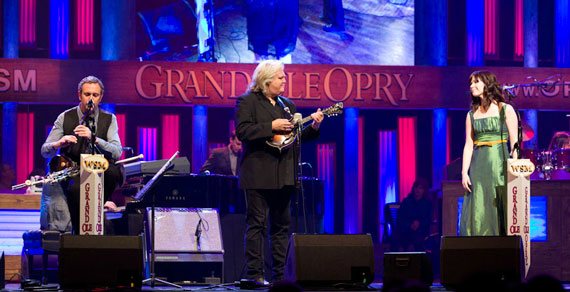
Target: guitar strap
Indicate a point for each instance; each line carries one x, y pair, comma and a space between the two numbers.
284, 107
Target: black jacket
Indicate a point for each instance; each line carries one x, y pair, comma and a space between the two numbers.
218, 162
262, 166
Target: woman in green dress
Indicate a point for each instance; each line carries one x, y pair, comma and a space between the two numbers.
487, 126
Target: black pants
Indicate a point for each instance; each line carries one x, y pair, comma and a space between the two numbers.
334, 12
274, 205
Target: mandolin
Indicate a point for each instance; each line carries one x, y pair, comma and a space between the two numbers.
283, 140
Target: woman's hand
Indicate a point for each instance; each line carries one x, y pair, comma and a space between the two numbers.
466, 182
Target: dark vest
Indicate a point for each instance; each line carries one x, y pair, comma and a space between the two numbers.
71, 120
114, 175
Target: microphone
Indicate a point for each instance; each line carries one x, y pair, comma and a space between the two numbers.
198, 233
297, 117
87, 116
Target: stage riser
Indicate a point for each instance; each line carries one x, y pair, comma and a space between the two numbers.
550, 257
19, 213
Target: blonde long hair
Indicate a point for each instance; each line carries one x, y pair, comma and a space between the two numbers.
263, 75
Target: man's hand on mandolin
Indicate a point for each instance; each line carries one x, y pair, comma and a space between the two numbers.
281, 125
317, 119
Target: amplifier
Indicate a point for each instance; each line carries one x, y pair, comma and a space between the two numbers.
188, 244
187, 230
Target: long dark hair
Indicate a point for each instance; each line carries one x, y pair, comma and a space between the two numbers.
491, 92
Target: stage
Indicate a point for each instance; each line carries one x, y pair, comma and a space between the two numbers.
545, 252
374, 287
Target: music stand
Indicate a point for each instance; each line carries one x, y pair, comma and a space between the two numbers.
139, 196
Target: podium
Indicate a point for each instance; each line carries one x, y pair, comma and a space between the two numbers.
91, 213
518, 203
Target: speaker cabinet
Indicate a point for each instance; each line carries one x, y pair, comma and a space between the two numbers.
2, 270
498, 257
321, 260
88, 261
408, 266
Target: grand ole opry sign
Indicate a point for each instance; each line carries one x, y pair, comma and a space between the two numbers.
219, 84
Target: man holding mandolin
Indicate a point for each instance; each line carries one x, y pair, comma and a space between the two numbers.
71, 135
267, 172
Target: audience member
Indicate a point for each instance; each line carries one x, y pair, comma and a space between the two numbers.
544, 283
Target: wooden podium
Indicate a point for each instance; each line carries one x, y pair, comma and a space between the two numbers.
91, 203
518, 203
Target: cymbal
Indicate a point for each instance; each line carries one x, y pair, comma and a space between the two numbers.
527, 132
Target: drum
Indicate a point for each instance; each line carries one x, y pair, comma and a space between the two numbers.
545, 160
561, 159
560, 174
531, 154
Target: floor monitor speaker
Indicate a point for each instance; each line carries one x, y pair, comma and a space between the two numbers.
2, 270
328, 259
91, 261
408, 266
499, 258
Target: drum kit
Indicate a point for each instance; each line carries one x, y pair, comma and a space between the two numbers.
549, 164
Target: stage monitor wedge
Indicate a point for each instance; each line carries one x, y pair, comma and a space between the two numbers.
407, 266
323, 260
2, 270
87, 261
499, 258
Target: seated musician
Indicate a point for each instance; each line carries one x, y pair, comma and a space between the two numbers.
415, 218
224, 160
73, 138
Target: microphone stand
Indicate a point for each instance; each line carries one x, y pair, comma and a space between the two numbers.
139, 196
518, 145
541, 84
92, 128
313, 196
298, 179
89, 121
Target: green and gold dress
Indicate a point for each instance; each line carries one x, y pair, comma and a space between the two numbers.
483, 211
